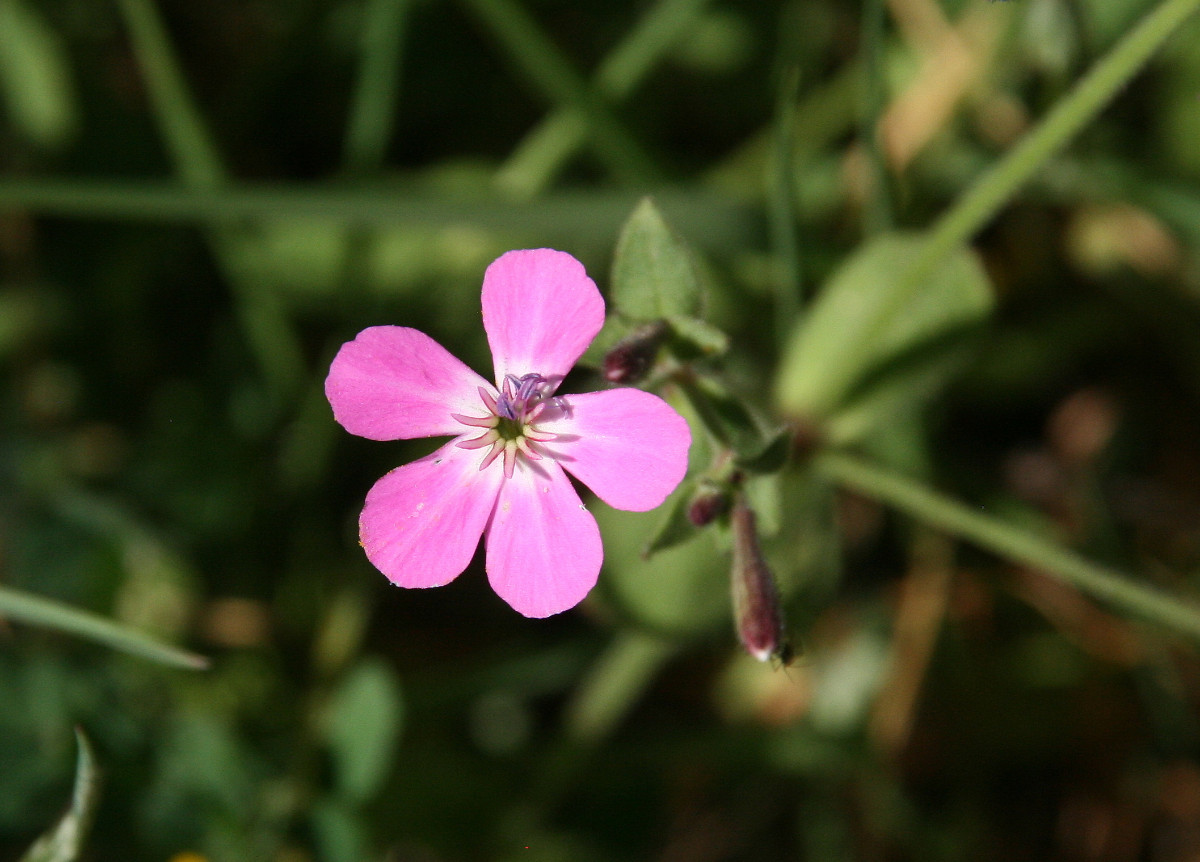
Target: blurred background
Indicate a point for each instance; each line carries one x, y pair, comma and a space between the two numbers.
200, 202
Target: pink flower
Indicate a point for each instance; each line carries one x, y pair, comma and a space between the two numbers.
502, 474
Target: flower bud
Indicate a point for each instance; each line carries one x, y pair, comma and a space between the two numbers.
756, 606
706, 507
631, 357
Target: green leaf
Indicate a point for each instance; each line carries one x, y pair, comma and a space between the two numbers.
35, 76
726, 418
683, 590
771, 457
692, 338
675, 527
339, 832
653, 277
907, 378
17, 605
834, 351
65, 841
180, 120
364, 723
373, 115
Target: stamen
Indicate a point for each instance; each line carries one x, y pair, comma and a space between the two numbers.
528, 386
506, 406
521, 396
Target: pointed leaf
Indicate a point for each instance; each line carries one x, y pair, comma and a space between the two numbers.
908, 378
653, 276
771, 457
65, 841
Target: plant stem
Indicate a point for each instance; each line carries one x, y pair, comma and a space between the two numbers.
1072, 112
878, 214
1012, 542
979, 203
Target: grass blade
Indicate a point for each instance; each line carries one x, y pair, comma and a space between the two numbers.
47, 613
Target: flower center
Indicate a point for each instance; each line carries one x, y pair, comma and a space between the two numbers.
509, 429
509, 424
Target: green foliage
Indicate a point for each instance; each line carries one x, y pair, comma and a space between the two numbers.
724, 415
674, 526
35, 77
653, 277
924, 289
695, 339
365, 717
682, 589
64, 843
54, 615
858, 355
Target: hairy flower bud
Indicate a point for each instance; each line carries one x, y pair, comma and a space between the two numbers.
756, 606
631, 357
706, 507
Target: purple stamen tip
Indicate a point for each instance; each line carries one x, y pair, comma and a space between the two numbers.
520, 395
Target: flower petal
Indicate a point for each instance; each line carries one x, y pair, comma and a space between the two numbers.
541, 311
422, 522
628, 446
396, 383
543, 546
